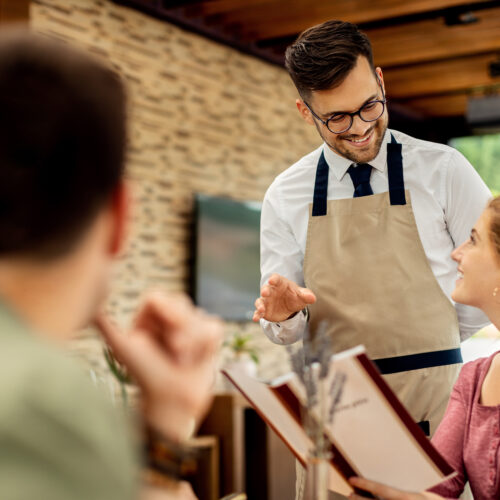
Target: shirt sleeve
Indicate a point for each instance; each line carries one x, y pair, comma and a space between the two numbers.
449, 440
64, 440
466, 196
280, 253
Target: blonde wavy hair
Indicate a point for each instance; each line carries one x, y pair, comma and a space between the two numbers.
494, 208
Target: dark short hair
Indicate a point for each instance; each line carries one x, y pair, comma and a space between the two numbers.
322, 56
62, 140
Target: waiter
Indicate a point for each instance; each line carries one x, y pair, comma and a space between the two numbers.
359, 232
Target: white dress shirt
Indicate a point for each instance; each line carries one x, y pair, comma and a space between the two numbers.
447, 198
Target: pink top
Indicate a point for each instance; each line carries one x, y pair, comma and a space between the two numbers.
469, 437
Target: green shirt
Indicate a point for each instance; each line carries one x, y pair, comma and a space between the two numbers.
60, 439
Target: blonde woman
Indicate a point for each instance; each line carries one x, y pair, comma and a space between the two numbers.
469, 434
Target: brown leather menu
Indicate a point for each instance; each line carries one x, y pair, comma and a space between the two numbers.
372, 435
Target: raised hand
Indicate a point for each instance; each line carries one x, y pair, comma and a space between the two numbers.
170, 353
280, 299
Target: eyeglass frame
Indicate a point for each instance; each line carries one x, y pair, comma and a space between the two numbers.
383, 101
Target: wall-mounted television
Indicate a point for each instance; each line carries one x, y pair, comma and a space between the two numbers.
226, 267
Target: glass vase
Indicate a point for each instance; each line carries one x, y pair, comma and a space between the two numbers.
317, 478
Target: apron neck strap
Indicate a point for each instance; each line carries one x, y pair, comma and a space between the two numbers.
320, 187
395, 173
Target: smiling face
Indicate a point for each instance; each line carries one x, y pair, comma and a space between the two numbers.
361, 143
478, 268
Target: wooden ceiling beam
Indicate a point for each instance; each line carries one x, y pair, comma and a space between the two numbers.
432, 40
215, 7
439, 106
279, 19
440, 77
14, 11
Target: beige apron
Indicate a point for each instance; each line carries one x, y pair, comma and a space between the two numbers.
366, 264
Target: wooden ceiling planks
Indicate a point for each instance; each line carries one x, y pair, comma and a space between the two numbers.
273, 19
214, 7
434, 53
14, 11
432, 39
448, 105
440, 77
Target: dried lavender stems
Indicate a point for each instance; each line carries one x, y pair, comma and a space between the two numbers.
311, 364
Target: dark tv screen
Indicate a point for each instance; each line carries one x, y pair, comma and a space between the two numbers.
227, 256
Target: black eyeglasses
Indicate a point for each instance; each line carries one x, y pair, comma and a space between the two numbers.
339, 123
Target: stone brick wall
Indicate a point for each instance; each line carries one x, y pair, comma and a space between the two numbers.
203, 118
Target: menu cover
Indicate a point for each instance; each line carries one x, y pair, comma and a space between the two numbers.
372, 435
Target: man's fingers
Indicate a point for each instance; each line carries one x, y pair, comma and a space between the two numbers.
307, 296
198, 340
111, 334
176, 324
279, 298
159, 309
260, 309
260, 306
211, 331
175, 328
275, 280
134, 351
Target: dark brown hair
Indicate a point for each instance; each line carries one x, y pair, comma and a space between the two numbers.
62, 139
322, 56
494, 208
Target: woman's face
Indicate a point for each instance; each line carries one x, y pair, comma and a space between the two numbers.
478, 268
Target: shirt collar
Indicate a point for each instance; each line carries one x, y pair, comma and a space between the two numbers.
339, 165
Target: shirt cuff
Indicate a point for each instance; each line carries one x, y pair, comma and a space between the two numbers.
285, 332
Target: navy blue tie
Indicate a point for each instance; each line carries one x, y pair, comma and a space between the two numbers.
360, 176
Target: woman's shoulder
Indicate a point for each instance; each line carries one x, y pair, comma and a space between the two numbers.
473, 372
482, 363
494, 361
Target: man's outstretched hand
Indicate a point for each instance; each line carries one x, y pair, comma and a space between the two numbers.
280, 299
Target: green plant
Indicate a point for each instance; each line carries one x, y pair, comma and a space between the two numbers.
241, 343
119, 371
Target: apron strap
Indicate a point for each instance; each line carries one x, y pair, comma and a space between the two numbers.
320, 187
418, 361
425, 425
395, 173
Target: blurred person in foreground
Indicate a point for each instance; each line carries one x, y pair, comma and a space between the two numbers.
63, 208
469, 436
